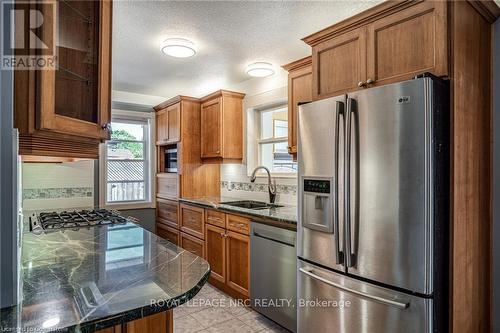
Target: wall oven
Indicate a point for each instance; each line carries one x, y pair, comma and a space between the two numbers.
171, 159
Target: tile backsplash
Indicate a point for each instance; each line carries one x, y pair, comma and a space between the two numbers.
235, 183
57, 185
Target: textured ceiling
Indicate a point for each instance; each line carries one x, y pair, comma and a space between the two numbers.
229, 35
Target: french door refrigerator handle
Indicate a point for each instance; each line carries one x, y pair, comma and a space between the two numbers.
350, 258
398, 304
339, 255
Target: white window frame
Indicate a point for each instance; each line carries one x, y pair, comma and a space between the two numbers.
258, 122
117, 115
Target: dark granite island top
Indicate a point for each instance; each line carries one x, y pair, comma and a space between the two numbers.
286, 215
88, 279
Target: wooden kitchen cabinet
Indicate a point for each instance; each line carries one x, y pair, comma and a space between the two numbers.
168, 124
215, 252
67, 112
161, 126
299, 91
215, 218
238, 223
237, 262
167, 212
339, 64
192, 220
386, 45
222, 127
167, 232
162, 322
192, 244
408, 43
167, 185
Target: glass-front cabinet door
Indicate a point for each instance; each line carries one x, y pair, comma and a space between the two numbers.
75, 98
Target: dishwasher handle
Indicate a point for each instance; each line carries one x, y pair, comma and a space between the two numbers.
273, 236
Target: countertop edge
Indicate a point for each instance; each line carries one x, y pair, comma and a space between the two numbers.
276, 221
139, 313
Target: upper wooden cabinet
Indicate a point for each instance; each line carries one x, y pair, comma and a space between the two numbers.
168, 121
407, 43
339, 64
66, 112
222, 126
389, 43
299, 91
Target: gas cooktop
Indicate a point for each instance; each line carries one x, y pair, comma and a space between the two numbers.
75, 219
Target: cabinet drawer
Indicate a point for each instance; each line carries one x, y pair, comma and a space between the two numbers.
166, 212
192, 220
215, 218
168, 233
167, 186
192, 244
238, 224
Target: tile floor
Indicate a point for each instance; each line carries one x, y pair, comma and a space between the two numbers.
213, 311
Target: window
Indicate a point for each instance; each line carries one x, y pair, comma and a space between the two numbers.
273, 141
126, 161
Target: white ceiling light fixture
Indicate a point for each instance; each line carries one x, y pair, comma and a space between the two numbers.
178, 47
260, 69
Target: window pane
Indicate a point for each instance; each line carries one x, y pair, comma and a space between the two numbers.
119, 171
128, 191
125, 150
275, 156
274, 124
126, 131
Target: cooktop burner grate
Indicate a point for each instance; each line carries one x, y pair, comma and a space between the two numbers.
78, 219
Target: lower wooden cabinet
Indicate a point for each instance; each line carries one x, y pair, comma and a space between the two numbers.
215, 251
227, 250
168, 233
192, 244
238, 265
167, 212
192, 220
162, 322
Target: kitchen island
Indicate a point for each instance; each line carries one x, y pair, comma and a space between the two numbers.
102, 278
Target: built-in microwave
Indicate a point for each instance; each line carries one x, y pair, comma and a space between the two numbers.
171, 159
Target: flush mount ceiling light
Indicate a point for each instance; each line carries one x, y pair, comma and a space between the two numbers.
178, 47
260, 69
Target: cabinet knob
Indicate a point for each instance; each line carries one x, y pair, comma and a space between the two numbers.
107, 127
218, 151
361, 84
370, 81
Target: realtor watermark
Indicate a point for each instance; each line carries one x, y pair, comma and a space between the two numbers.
29, 35
256, 302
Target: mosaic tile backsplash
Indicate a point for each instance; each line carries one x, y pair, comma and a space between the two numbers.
54, 193
253, 187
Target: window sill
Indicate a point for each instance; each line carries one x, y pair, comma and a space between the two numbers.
131, 205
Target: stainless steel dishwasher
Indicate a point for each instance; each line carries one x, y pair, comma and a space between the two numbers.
273, 273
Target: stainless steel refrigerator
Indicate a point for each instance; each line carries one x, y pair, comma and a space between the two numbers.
373, 210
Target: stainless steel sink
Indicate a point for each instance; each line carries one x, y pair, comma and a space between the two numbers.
250, 204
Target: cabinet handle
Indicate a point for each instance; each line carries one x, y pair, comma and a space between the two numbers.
218, 151
361, 84
370, 81
222, 235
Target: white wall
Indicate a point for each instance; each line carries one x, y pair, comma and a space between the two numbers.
133, 98
58, 185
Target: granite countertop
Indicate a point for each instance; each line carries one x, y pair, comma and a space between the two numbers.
286, 214
89, 279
